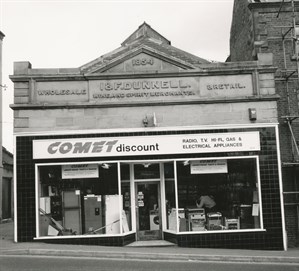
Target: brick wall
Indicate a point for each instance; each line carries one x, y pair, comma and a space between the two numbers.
263, 23
241, 35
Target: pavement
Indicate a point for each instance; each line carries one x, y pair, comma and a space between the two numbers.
154, 252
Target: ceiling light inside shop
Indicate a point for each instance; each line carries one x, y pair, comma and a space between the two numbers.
186, 163
105, 166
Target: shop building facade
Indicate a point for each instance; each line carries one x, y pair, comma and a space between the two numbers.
120, 149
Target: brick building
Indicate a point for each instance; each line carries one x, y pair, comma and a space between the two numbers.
126, 147
267, 26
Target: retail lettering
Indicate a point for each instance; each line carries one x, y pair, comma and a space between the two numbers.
79, 147
225, 86
98, 147
143, 85
196, 146
134, 148
212, 143
143, 94
62, 92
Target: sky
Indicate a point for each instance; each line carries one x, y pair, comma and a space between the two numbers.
70, 33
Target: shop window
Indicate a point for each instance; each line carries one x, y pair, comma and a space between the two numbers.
79, 199
124, 172
146, 170
219, 194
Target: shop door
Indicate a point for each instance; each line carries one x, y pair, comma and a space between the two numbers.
148, 213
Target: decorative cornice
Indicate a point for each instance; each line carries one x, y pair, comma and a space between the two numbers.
274, 97
207, 70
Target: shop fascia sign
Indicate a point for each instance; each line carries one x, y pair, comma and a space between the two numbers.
145, 145
168, 88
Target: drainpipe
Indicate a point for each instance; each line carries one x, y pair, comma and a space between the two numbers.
1, 152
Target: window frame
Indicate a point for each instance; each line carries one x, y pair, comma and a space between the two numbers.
256, 157
162, 181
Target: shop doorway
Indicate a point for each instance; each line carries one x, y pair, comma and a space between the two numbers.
148, 211
6, 198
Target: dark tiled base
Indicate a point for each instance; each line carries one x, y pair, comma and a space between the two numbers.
100, 241
238, 240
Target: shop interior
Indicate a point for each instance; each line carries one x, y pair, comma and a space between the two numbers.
85, 199
232, 187
76, 205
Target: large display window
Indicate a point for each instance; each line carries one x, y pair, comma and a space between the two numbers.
196, 195
81, 199
218, 194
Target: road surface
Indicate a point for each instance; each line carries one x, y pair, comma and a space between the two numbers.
47, 263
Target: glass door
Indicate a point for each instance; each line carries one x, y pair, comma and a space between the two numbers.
148, 213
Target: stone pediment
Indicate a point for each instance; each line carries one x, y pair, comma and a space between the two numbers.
140, 60
143, 51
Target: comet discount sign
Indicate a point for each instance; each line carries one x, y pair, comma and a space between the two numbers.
145, 145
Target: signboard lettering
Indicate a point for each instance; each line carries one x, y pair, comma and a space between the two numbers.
208, 166
79, 171
62, 92
145, 84
231, 85
144, 89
